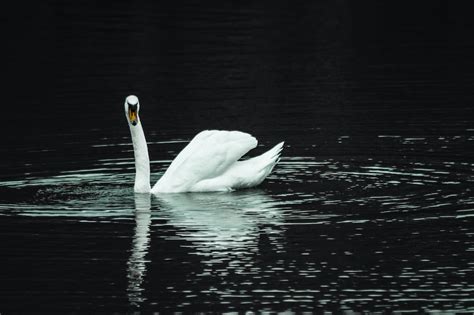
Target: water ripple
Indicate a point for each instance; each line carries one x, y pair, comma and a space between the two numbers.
345, 233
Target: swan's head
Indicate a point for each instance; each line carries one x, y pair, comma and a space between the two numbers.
132, 106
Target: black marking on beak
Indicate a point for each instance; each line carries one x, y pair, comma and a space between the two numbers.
133, 113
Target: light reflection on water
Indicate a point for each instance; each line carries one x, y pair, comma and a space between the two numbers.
136, 270
219, 225
346, 233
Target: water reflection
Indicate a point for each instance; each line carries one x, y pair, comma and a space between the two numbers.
349, 233
136, 265
224, 226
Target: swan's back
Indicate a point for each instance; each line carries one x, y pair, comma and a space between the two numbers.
209, 155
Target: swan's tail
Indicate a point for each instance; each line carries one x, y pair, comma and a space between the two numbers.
270, 158
251, 172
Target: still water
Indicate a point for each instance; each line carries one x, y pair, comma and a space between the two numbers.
369, 209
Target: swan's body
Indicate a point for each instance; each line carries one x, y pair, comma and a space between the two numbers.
210, 162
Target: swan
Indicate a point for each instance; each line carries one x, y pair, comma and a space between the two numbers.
210, 162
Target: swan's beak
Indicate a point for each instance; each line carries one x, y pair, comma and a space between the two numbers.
132, 116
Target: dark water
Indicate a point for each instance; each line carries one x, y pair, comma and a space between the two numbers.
370, 209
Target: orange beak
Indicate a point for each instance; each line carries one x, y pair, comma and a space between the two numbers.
132, 116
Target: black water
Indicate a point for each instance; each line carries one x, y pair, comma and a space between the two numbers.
370, 208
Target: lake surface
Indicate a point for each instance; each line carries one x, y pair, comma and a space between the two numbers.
370, 208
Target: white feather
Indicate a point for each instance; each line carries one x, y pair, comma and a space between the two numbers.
210, 162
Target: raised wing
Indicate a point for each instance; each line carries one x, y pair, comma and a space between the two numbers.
208, 155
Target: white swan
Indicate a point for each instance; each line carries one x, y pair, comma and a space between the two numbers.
208, 163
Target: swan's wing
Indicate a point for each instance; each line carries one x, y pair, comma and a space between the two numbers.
209, 154
243, 174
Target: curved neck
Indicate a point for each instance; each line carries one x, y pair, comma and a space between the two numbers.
142, 161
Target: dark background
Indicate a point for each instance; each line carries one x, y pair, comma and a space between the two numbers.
70, 65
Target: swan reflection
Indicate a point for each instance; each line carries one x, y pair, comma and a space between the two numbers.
136, 265
223, 226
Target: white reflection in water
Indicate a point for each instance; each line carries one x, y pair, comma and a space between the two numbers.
136, 265
223, 226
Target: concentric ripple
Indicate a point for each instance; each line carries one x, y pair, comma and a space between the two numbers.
350, 233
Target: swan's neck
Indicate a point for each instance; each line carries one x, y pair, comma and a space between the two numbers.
142, 161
